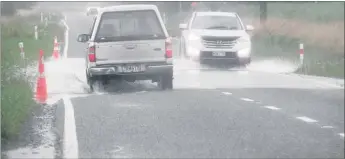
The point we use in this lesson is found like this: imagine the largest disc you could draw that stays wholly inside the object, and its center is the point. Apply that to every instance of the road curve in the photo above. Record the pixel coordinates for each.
(212, 113)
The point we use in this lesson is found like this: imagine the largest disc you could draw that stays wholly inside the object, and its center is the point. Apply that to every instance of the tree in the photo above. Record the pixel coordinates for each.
(9, 8)
(263, 12)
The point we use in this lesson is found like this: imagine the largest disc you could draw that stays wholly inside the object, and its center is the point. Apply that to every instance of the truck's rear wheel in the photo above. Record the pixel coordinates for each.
(95, 84)
(89, 81)
(166, 82)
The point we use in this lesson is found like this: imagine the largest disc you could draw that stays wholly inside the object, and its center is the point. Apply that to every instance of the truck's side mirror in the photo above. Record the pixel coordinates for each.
(83, 38)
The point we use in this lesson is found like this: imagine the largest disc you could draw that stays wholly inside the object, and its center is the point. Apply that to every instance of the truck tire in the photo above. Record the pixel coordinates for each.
(166, 82)
(95, 84)
(90, 81)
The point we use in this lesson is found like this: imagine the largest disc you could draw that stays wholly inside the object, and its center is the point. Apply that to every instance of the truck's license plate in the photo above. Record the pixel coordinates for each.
(132, 68)
(218, 53)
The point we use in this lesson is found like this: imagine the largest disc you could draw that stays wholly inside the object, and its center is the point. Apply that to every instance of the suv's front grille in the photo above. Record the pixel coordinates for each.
(219, 42)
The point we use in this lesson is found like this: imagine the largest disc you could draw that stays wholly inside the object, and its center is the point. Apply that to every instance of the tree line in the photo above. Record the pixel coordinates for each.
(9, 8)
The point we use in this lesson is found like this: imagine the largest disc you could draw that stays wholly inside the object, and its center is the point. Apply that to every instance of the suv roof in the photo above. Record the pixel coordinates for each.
(216, 13)
(129, 8)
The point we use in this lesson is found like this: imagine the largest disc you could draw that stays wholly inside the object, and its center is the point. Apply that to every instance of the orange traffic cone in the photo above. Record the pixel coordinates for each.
(56, 54)
(41, 88)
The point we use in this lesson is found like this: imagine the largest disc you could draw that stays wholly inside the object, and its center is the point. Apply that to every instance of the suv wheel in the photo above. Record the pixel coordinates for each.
(166, 81)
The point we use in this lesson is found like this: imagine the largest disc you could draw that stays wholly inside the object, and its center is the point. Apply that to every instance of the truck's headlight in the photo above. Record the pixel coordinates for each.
(244, 53)
(193, 37)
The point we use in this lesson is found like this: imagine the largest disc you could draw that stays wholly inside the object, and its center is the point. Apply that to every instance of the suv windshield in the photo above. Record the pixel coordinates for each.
(216, 22)
(129, 25)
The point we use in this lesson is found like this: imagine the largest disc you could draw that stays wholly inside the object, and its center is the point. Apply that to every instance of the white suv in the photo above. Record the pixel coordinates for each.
(216, 36)
(128, 42)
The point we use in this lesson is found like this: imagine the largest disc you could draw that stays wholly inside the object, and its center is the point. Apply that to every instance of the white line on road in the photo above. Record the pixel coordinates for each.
(272, 107)
(327, 127)
(70, 142)
(247, 99)
(66, 38)
(341, 134)
(227, 93)
(306, 119)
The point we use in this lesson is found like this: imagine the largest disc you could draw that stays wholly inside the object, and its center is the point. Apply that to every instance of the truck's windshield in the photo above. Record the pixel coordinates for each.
(129, 25)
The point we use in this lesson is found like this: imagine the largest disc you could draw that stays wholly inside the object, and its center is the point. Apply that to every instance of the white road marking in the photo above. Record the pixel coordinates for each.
(247, 99)
(341, 134)
(327, 127)
(70, 142)
(242, 72)
(272, 107)
(66, 38)
(193, 72)
(306, 119)
(227, 93)
(142, 92)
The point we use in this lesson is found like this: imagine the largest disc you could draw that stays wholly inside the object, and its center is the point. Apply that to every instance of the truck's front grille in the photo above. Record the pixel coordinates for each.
(219, 42)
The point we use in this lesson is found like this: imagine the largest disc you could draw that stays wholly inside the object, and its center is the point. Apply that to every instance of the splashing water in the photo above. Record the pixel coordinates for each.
(273, 66)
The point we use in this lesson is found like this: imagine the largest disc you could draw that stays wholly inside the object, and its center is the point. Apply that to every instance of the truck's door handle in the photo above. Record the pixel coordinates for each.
(130, 46)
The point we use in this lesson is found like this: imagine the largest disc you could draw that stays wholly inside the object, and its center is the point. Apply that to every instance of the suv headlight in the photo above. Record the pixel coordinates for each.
(243, 40)
(193, 37)
(243, 53)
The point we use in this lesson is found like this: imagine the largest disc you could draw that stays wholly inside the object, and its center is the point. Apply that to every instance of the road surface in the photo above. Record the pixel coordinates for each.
(212, 113)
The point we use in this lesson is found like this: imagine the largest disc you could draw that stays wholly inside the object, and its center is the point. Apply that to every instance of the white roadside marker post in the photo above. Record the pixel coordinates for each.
(46, 21)
(41, 17)
(36, 32)
(22, 54)
(301, 56)
(301, 53)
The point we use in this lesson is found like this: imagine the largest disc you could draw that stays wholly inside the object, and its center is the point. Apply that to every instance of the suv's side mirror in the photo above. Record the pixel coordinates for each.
(249, 28)
(183, 26)
(83, 38)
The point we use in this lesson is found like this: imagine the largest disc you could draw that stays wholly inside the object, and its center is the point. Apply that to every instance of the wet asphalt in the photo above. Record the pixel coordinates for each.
(211, 113)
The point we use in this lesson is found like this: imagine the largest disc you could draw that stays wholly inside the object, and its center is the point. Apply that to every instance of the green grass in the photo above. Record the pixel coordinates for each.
(17, 96)
(317, 61)
(320, 12)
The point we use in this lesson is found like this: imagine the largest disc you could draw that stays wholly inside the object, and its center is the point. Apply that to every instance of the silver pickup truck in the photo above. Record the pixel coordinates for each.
(128, 42)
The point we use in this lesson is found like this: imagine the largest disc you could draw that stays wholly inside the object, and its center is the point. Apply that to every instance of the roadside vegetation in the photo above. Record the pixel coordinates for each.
(318, 25)
(17, 97)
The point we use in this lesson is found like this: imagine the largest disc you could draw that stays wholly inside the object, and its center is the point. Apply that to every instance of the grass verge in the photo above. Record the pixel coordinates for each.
(318, 60)
(17, 96)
